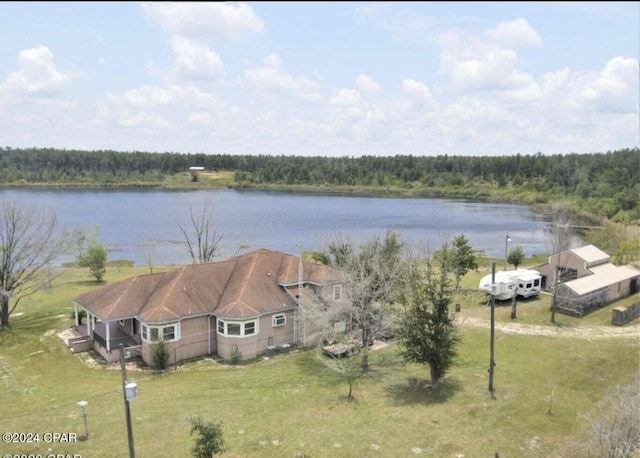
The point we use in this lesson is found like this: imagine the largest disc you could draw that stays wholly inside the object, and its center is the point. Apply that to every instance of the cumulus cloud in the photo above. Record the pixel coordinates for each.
(419, 94)
(191, 27)
(205, 20)
(613, 89)
(517, 33)
(271, 77)
(489, 61)
(36, 74)
(366, 83)
(159, 107)
(196, 61)
(144, 119)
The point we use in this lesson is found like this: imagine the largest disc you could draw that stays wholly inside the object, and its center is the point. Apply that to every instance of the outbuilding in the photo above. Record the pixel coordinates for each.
(586, 280)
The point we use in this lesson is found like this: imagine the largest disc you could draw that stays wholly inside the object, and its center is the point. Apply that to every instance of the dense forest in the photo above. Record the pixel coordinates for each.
(604, 185)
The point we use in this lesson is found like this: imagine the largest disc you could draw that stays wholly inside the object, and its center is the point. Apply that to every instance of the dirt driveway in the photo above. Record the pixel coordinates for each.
(584, 332)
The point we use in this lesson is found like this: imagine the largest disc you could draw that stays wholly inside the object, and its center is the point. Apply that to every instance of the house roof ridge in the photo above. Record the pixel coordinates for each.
(226, 284)
(172, 288)
(247, 278)
(129, 284)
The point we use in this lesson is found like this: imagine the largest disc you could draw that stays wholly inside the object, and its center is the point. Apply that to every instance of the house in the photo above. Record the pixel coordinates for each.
(587, 279)
(242, 306)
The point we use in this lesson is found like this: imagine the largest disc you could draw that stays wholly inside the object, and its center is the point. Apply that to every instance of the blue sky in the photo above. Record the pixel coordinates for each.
(321, 78)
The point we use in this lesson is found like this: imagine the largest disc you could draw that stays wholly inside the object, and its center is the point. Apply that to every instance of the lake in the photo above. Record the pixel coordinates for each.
(286, 221)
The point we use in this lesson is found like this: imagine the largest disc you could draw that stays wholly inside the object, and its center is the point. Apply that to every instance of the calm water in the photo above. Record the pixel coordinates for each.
(282, 220)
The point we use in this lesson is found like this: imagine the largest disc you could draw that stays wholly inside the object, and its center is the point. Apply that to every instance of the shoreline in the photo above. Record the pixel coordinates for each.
(539, 205)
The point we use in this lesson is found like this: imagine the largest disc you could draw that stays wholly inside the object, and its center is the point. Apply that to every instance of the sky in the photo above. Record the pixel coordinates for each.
(321, 78)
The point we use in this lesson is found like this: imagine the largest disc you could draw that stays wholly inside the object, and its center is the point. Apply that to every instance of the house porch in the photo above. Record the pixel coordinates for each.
(105, 339)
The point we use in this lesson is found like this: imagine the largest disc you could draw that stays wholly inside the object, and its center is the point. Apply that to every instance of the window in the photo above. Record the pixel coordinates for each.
(337, 292)
(166, 333)
(234, 329)
(279, 320)
(237, 328)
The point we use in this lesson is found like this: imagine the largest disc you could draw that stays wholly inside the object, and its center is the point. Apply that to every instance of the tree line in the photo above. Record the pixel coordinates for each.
(610, 181)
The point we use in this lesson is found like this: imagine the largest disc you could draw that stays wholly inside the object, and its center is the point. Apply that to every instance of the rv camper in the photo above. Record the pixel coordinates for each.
(522, 282)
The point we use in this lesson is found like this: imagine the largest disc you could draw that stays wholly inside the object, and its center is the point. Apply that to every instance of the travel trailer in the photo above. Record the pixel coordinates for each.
(522, 282)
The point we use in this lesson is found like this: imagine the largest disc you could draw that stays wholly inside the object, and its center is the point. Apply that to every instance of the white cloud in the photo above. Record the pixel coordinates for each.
(195, 61)
(614, 89)
(517, 33)
(147, 96)
(366, 83)
(145, 120)
(490, 61)
(419, 94)
(205, 20)
(490, 69)
(159, 107)
(271, 77)
(36, 74)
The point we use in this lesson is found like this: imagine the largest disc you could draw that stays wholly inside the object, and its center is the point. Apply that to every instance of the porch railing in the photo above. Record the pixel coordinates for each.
(101, 341)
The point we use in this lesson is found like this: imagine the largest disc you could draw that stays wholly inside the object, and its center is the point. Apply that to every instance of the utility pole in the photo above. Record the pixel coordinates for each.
(493, 317)
(123, 369)
(301, 317)
(506, 244)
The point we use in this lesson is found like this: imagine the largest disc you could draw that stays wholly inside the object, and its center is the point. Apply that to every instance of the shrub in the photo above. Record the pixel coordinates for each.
(209, 440)
(160, 355)
(82, 314)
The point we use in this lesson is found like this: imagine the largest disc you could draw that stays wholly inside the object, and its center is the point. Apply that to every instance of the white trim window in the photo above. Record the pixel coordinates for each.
(337, 292)
(237, 328)
(165, 333)
(279, 319)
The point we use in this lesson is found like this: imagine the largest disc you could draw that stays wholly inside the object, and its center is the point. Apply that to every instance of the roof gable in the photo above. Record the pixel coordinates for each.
(591, 255)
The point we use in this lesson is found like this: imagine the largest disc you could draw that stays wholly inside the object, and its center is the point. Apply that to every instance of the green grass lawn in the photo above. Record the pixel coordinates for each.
(290, 405)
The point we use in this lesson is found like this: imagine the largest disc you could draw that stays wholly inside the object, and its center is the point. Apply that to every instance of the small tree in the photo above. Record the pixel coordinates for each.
(89, 252)
(462, 259)
(428, 334)
(348, 367)
(160, 355)
(149, 249)
(208, 440)
(95, 258)
(516, 256)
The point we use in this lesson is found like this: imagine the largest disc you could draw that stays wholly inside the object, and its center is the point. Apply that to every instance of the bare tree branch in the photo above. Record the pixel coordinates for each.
(201, 240)
(30, 240)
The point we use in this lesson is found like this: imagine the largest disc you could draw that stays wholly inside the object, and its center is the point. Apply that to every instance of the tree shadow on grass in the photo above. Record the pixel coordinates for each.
(420, 391)
(87, 283)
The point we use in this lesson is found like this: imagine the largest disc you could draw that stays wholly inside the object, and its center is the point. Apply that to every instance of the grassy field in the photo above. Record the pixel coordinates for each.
(291, 406)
